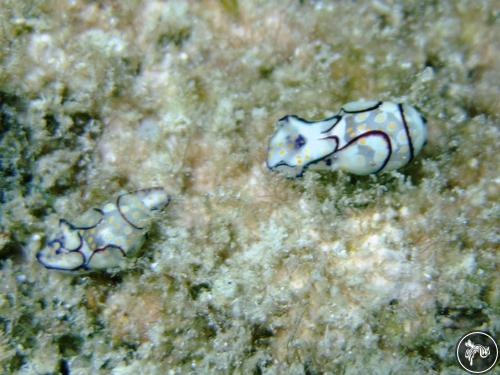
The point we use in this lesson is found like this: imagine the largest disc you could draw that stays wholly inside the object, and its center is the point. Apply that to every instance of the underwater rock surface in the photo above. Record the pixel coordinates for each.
(247, 271)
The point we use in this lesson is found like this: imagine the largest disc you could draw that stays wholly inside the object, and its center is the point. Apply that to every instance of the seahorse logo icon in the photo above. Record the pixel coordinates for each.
(473, 349)
(477, 352)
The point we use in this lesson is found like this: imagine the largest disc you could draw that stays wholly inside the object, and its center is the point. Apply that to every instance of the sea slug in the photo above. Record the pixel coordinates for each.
(104, 238)
(364, 137)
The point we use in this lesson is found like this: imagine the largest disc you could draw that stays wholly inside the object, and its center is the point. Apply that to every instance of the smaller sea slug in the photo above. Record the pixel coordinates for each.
(364, 137)
(104, 238)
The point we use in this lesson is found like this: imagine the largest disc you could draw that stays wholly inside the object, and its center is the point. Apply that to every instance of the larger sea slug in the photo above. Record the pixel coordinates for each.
(364, 137)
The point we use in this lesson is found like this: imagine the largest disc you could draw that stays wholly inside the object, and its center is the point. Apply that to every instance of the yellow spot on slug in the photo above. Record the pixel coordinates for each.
(362, 141)
(380, 118)
(361, 117)
(391, 126)
(307, 154)
(108, 207)
(282, 152)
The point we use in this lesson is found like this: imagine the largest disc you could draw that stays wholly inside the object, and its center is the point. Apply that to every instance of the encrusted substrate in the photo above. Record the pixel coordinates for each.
(246, 271)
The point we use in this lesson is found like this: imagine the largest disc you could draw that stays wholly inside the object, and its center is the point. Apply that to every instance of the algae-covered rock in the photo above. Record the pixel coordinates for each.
(247, 271)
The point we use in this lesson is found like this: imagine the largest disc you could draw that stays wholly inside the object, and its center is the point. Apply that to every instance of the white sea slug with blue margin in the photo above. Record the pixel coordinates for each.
(104, 238)
(364, 137)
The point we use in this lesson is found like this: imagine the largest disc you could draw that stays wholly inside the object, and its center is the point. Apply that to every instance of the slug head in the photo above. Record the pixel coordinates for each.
(63, 251)
(296, 144)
